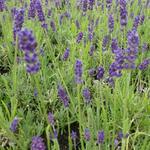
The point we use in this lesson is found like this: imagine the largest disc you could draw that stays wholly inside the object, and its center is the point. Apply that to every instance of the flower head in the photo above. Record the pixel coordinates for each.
(87, 95)
(63, 96)
(78, 71)
(14, 125)
(38, 143)
(100, 137)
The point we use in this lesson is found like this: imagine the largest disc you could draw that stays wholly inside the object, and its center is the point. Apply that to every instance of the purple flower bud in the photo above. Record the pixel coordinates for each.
(32, 10)
(87, 95)
(111, 23)
(79, 37)
(144, 64)
(100, 73)
(123, 13)
(91, 4)
(92, 49)
(84, 5)
(14, 125)
(114, 45)
(2, 5)
(51, 118)
(61, 18)
(40, 13)
(35, 92)
(52, 24)
(144, 47)
(49, 12)
(63, 96)
(136, 22)
(120, 135)
(108, 3)
(105, 42)
(87, 135)
(66, 54)
(28, 44)
(57, 3)
(133, 41)
(77, 24)
(26, 40)
(92, 72)
(38, 143)
(78, 72)
(73, 135)
(116, 142)
(100, 137)
(18, 21)
(142, 18)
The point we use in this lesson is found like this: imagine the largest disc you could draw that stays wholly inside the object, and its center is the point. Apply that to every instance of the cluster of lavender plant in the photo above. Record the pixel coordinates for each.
(93, 60)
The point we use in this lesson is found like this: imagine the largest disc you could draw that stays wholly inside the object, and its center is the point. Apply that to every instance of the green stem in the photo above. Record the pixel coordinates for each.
(79, 116)
(69, 136)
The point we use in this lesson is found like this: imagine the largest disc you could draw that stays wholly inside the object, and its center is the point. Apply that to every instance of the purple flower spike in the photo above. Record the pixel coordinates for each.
(77, 24)
(92, 49)
(142, 18)
(111, 23)
(39, 10)
(91, 4)
(100, 73)
(78, 72)
(32, 10)
(108, 3)
(136, 22)
(84, 5)
(52, 24)
(114, 45)
(87, 95)
(73, 135)
(38, 143)
(18, 21)
(144, 64)
(63, 96)
(92, 72)
(100, 137)
(14, 125)
(28, 44)
(105, 42)
(51, 118)
(66, 54)
(133, 43)
(2, 5)
(87, 135)
(79, 37)
(123, 13)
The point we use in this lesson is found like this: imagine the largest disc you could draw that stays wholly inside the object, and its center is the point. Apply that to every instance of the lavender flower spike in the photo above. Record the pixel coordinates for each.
(38, 143)
(18, 21)
(51, 118)
(66, 54)
(2, 5)
(28, 44)
(62, 94)
(100, 73)
(87, 95)
(111, 23)
(39, 10)
(87, 135)
(32, 10)
(14, 125)
(144, 64)
(78, 72)
(100, 137)
(79, 37)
